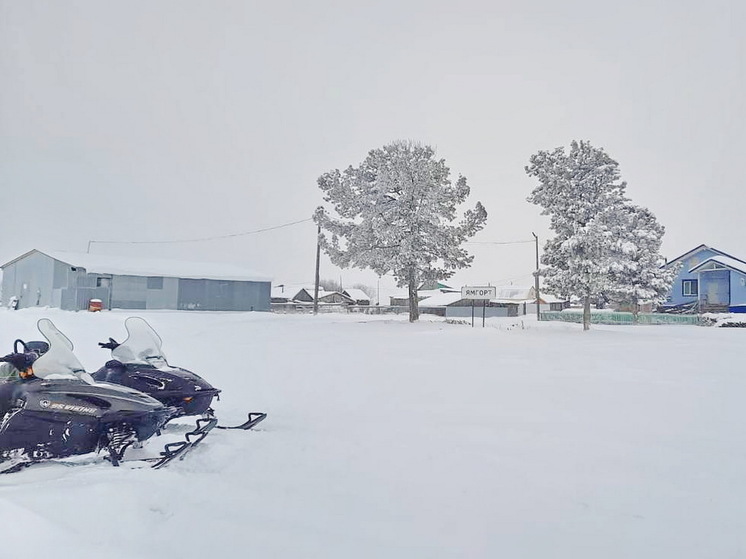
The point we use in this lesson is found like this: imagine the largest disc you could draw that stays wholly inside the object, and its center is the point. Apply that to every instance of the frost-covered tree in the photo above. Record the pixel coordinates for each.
(637, 271)
(604, 245)
(580, 191)
(395, 213)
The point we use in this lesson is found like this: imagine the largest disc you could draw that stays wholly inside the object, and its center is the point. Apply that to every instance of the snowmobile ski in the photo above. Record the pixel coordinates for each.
(18, 466)
(173, 450)
(179, 449)
(254, 419)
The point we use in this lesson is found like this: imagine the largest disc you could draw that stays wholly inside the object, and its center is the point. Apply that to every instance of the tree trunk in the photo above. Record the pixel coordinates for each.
(414, 308)
(587, 312)
(635, 311)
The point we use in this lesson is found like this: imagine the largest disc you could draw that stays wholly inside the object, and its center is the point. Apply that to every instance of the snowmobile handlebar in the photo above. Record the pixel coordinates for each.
(36, 347)
(20, 361)
(111, 344)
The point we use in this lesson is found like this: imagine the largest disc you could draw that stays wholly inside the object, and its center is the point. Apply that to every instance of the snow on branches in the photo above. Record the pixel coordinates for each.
(604, 245)
(395, 213)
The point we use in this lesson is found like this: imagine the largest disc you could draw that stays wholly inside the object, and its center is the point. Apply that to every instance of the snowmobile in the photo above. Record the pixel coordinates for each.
(50, 407)
(139, 363)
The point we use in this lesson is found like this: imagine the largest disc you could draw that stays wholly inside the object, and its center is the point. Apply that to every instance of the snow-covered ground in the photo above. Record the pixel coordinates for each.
(429, 440)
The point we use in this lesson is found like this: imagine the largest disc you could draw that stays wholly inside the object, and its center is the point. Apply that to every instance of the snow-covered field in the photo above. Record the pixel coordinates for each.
(431, 440)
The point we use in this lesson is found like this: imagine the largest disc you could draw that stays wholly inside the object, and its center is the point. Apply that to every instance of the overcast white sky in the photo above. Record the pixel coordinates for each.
(167, 120)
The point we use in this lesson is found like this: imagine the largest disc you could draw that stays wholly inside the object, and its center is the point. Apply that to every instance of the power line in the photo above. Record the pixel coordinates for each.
(498, 242)
(172, 241)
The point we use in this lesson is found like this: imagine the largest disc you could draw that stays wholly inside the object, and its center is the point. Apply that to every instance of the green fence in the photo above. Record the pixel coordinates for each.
(622, 318)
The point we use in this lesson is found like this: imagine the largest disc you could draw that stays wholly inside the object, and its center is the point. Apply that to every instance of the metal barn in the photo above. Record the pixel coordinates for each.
(70, 281)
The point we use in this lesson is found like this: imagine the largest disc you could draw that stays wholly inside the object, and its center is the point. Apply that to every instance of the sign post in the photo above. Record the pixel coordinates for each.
(479, 293)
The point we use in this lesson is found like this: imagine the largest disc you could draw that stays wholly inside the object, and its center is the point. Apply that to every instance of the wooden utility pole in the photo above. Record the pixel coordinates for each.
(318, 264)
(536, 277)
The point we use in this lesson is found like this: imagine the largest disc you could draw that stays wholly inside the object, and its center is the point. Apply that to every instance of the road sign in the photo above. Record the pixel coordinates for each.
(488, 292)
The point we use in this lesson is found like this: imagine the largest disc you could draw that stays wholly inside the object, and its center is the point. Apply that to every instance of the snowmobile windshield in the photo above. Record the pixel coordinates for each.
(142, 346)
(59, 361)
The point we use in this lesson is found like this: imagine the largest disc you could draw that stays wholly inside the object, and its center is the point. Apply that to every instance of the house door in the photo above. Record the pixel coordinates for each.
(717, 287)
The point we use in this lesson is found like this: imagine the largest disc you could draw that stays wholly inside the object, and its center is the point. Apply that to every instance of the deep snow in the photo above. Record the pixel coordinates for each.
(429, 440)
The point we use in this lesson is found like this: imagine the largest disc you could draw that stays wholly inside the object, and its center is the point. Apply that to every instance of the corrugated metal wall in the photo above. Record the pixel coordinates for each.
(214, 295)
(30, 280)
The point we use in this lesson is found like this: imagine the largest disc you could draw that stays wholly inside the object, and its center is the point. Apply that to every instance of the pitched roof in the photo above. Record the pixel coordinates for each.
(699, 249)
(357, 294)
(150, 267)
(726, 261)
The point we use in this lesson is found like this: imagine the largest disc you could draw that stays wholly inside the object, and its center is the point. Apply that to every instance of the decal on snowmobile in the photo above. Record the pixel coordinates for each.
(69, 407)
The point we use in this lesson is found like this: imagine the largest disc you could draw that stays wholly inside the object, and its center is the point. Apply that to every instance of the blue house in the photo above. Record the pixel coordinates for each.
(709, 279)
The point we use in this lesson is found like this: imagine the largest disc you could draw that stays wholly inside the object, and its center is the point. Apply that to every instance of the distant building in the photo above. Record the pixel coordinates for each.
(70, 281)
(425, 290)
(334, 298)
(283, 295)
(357, 296)
(510, 301)
(709, 281)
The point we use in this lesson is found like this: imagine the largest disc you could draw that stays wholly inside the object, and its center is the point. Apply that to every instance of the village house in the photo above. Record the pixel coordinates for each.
(708, 280)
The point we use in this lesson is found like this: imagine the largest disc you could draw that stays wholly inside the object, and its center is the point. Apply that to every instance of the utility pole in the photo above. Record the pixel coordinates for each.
(536, 276)
(318, 263)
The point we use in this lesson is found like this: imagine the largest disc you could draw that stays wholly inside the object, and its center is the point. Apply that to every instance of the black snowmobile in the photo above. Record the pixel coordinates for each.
(51, 408)
(139, 363)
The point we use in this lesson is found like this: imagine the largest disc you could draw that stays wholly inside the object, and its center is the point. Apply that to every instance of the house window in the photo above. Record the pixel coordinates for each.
(103, 282)
(689, 288)
(155, 283)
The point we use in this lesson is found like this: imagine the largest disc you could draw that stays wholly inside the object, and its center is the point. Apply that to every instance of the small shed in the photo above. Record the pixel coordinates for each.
(69, 281)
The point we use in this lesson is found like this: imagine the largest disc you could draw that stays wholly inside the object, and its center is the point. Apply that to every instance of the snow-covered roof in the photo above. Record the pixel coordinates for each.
(440, 300)
(280, 291)
(151, 267)
(285, 291)
(331, 294)
(515, 293)
(357, 294)
(727, 261)
(549, 298)
(311, 290)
